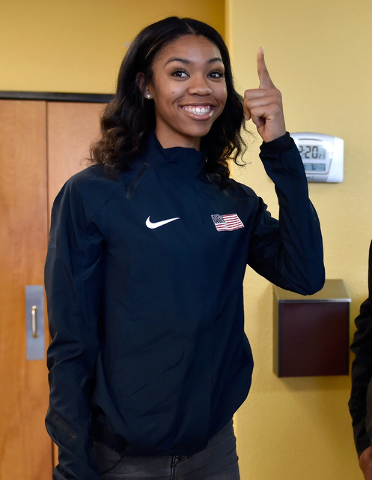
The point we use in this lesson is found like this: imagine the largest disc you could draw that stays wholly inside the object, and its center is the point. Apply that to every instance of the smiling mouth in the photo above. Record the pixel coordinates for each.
(199, 110)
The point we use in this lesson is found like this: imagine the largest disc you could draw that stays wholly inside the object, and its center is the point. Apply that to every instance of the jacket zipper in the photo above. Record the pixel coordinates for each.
(137, 180)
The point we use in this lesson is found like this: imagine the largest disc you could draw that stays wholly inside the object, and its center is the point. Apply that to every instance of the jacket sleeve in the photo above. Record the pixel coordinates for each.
(360, 403)
(288, 252)
(73, 276)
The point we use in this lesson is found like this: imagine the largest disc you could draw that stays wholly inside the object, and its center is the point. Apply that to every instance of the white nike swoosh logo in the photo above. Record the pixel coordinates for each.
(150, 224)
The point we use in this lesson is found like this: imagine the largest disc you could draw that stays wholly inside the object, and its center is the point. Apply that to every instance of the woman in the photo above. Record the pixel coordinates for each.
(148, 249)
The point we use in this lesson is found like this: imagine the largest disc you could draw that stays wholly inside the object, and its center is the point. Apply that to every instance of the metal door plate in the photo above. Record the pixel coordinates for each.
(35, 333)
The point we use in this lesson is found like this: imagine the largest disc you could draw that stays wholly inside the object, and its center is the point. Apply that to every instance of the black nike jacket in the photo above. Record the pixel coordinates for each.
(144, 282)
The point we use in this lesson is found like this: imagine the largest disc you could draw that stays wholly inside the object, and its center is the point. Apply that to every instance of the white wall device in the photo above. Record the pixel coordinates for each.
(322, 156)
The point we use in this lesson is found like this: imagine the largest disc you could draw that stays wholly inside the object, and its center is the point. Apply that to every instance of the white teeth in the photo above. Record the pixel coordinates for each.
(199, 110)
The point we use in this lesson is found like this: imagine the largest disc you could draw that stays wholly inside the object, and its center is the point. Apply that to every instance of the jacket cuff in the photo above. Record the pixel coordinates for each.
(361, 444)
(279, 145)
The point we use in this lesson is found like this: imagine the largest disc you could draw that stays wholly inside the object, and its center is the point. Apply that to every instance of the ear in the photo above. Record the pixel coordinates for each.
(141, 83)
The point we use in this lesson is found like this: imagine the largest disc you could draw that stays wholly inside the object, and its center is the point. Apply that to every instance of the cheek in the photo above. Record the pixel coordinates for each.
(222, 104)
(224, 96)
(168, 95)
(221, 94)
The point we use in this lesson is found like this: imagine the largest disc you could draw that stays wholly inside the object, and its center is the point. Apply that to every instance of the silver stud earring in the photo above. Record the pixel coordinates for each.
(148, 96)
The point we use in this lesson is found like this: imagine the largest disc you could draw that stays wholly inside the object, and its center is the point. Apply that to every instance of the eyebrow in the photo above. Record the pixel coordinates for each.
(187, 62)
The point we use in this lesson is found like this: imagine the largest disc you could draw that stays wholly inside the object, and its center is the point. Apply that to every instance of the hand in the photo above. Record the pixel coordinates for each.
(365, 463)
(264, 104)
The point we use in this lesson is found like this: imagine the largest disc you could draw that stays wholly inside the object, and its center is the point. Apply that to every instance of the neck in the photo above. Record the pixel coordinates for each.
(170, 141)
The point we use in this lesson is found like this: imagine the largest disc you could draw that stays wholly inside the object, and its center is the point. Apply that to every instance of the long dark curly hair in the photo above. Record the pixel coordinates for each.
(128, 119)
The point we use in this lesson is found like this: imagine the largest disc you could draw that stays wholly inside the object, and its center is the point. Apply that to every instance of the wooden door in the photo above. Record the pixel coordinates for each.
(25, 448)
(71, 128)
(41, 145)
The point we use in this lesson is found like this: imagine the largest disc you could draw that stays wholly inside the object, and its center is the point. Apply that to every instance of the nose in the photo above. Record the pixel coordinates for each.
(199, 86)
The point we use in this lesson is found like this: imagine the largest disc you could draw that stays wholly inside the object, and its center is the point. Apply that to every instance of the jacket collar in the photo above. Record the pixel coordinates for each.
(187, 162)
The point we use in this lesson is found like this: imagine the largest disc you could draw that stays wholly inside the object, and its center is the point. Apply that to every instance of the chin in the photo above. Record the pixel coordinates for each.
(199, 132)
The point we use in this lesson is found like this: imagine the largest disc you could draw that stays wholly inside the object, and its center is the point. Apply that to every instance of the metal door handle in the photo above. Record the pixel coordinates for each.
(34, 321)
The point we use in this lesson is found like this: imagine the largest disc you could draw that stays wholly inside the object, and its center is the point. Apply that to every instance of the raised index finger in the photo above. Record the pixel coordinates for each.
(263, 74)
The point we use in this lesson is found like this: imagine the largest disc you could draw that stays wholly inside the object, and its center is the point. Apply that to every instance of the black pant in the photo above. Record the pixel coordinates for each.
(218, 461)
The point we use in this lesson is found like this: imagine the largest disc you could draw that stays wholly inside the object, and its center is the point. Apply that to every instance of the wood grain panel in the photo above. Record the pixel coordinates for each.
(71, 129)
(25, 448)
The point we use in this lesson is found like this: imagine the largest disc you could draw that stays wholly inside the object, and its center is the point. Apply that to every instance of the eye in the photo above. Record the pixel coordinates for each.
(180, 73)
(217, 74)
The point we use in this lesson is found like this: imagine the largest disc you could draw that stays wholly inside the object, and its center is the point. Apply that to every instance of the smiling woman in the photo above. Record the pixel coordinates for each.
(148, 250)
(167, 59)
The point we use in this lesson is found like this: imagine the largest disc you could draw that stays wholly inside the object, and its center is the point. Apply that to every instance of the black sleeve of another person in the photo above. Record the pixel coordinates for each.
(360, 403)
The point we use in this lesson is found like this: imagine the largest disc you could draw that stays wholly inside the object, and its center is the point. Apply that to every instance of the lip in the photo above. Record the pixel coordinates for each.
(199, 111)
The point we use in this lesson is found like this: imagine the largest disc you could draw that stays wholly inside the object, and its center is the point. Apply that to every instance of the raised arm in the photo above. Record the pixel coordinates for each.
(289, 253)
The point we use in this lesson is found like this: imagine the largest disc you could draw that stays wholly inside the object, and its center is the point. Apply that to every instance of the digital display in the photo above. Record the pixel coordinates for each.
(312, 152)
(322, 156)
(315, 167)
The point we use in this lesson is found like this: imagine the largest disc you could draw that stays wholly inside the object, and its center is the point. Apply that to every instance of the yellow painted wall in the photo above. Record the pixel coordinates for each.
(78, 45)
(319, 55)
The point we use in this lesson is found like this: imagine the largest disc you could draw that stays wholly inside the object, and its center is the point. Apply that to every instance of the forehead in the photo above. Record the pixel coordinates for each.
(194, 48)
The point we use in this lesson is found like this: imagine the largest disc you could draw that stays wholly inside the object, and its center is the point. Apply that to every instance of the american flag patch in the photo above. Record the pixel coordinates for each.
(226, 223)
